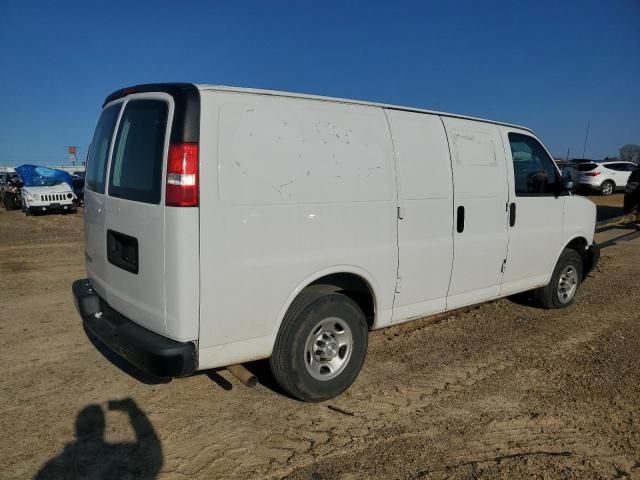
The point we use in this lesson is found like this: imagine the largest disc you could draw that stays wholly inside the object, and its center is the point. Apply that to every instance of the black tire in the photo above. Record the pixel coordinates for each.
(549, 297)
(288, 360)
(607, 187)
(26, 211)
(9, 202)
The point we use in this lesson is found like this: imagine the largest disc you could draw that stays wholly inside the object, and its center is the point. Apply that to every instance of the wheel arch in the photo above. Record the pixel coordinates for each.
(579, 244)
(354, 282)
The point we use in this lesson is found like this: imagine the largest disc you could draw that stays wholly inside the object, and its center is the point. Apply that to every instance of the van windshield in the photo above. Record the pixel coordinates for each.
(136, 164)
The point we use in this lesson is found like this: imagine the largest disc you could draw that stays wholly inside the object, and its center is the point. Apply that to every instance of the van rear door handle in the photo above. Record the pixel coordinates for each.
(512, 214)
(460, 219)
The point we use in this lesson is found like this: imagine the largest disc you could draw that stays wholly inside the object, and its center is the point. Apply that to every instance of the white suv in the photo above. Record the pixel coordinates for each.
(605, 177)
(48, 198)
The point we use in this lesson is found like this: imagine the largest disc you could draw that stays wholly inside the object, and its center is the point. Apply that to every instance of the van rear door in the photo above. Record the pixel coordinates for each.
(94, 197)
(134, 226)
(141, 213)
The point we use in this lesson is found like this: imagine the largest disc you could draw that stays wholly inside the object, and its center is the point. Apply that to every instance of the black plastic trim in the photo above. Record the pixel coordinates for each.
(460, 219)
(122, 251)
(147, 350)
(186, 114)
(590, 260)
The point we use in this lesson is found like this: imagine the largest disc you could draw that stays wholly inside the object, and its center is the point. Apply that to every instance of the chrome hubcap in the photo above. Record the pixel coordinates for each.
(328, 348)
(567, 284)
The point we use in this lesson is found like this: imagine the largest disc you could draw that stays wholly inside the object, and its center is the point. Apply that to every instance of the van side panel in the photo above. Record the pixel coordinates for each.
(288, 188)
(425, 197)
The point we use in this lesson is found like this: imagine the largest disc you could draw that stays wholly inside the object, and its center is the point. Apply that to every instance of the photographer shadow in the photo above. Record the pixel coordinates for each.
(90, 456)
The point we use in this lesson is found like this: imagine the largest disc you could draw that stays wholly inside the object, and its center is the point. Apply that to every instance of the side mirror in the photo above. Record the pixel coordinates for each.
(569, 174)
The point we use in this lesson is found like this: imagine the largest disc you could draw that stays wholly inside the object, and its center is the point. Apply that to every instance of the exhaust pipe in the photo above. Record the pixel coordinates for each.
(245, 376)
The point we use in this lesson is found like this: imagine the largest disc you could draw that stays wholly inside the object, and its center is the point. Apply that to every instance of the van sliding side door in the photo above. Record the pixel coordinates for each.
(425, 202)
(480, 199)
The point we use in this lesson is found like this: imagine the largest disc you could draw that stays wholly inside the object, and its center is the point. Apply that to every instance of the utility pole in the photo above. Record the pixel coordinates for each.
(585, 138)
(567, 154)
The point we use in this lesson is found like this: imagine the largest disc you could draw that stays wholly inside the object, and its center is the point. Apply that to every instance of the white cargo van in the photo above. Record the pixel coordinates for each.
(225, 225)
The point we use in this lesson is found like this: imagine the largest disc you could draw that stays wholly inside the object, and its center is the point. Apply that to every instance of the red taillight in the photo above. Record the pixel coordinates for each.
(182, 175)
(592, 174)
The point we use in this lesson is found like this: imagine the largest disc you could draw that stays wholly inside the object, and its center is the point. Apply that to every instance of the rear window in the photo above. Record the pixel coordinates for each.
(136, 165)
(99, 149)
(586, 167)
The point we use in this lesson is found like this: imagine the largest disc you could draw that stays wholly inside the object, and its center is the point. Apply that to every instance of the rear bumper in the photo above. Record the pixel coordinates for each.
(149, 351)
(591, 258)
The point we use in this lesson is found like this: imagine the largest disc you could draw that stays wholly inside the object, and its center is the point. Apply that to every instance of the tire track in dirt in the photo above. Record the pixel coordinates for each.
(380, 416)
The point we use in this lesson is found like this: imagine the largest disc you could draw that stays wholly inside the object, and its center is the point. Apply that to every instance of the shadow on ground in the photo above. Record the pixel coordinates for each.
(605, 212)
(89, 456)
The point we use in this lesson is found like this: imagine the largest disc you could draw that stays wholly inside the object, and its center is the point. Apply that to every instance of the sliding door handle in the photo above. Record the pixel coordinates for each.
(460, 219)
(512, 214)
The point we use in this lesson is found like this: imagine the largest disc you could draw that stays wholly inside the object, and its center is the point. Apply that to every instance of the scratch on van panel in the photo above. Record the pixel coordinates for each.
(308, 172)
(250, 110)
(282, 186)
(370, 170)
(240, 167)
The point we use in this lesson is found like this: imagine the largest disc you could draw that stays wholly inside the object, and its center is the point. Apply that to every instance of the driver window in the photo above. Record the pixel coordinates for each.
(534, 171)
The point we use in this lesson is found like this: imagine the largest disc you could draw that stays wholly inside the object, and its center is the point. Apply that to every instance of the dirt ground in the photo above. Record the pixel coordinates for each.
(504, 390)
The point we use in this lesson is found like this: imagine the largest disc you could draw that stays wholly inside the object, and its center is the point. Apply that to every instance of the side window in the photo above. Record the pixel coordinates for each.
(534, 171)
(99, 149)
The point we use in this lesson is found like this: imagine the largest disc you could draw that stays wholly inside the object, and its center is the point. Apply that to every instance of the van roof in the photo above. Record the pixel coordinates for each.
(349, 101)
(184, 87)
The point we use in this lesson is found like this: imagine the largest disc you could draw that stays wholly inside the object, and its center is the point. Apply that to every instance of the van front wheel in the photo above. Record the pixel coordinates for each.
(565, 281)
(321, 345)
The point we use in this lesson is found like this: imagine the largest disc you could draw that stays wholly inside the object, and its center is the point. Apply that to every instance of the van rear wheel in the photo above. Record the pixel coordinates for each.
(321, 345)
(565, 281)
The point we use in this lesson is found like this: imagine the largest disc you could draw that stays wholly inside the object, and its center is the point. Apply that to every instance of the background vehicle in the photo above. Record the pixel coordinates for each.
(10, 191)
(632, 193)
(318, 220)
(606, 177)
(45, 190)
(78, 187)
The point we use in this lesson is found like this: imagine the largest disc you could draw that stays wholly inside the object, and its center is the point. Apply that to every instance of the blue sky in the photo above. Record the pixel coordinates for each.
(547, 64)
